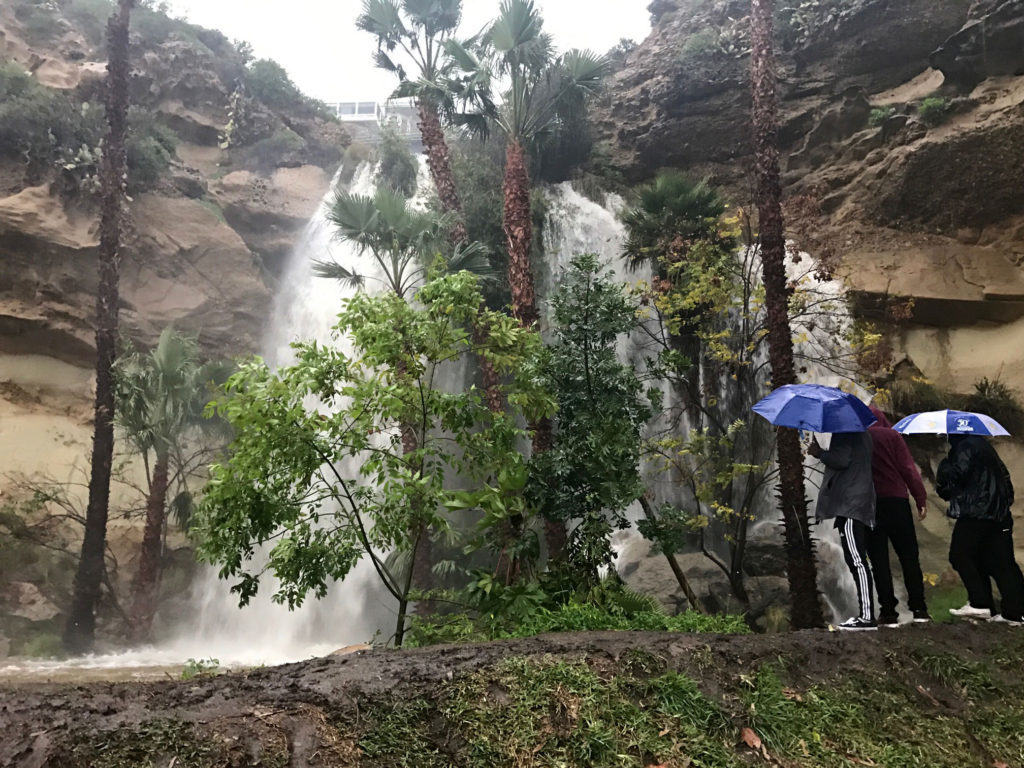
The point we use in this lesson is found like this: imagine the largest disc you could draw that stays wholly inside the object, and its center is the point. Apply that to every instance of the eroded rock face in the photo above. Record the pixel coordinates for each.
(922, 206)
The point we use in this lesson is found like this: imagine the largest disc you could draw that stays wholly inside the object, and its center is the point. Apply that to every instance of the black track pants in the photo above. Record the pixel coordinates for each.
(981, 550)
(894, 523)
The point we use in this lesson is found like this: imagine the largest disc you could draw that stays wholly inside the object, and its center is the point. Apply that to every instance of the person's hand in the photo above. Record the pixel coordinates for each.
(922, 512)
(814, 449)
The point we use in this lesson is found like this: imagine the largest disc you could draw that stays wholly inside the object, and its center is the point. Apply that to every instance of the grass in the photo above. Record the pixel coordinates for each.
(933, 708)
(572, 617)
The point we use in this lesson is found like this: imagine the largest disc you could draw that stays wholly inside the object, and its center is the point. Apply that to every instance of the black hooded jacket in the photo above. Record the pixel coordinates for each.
(974, 480)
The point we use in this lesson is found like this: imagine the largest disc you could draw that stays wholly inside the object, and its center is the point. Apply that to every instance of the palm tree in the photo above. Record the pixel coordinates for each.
(402, 240)
(801, 569)
(420, 29)
(540, 83)
(161, 399)
(80, 630)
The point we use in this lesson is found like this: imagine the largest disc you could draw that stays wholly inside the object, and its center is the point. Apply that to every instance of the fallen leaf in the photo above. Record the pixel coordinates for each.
(999, 764)
(664, 733)
(751, 739)
(792, 695)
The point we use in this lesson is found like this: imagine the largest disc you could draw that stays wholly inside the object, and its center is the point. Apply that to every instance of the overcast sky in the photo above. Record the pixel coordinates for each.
(317, 42)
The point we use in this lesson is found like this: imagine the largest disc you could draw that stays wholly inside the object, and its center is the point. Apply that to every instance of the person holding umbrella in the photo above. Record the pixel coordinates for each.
(895, 473)
(847, 493)
(977, 485)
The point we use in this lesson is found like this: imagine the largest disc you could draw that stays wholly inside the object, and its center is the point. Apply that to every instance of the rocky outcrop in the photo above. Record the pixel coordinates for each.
(905, 121)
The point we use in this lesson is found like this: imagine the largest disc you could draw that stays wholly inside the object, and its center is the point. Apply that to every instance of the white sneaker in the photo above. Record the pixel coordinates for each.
(1000, 619)
(970, 612)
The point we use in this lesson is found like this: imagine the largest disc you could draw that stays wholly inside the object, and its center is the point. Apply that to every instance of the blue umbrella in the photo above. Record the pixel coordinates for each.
(950, 423)
(815, 408)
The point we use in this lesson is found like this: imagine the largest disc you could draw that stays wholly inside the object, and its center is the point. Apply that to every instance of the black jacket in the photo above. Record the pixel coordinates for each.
(974, 480)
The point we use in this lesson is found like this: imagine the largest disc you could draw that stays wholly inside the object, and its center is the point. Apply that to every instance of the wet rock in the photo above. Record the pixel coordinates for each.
(26, 600)
(990, 44)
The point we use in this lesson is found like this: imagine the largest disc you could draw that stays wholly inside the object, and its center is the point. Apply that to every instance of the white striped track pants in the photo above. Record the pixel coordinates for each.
(854, 536)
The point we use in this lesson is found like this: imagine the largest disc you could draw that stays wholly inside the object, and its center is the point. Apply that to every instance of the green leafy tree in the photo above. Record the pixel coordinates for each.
(318, 470)
(161, 398)
(592, 472)
(403, 242)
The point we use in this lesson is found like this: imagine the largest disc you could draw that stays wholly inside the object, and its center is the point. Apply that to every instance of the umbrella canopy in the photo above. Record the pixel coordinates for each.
(815, 408)
(950, 423)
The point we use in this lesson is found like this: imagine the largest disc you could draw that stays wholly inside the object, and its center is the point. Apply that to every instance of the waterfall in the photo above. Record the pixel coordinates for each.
(305, 308)
(576, 224)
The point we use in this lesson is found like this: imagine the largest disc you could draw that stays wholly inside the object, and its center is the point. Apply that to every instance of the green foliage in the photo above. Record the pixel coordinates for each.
(934, 111)
(398, 169)
(702, 43)
(150, 147)
(38, 123)
(592, 473)
(327, 485)
(276, 149)
(673, 206)
(879, 115)
(269, 82)
(39, 19)
(998, 400)
(90, 18)
(199, 667)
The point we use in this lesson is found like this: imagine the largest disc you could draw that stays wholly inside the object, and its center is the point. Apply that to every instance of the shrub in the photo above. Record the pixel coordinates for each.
(40, 123)
(150, 148)
(879, 115)
(699, 44)
(914, 395)
(398, 169)
(90, 18)
(933, 111)
(267, 81)
(268, 153)
(40, 21)
(994, 398)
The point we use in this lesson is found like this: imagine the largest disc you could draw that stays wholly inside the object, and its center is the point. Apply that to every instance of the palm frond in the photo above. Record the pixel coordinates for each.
(476, 258)
(382, 18)
(517, 26)
(434, 16)
(334, 271)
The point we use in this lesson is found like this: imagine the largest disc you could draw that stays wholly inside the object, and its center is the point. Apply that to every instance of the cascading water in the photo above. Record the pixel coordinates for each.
(576, 224)
(306, 308)
(212, 625)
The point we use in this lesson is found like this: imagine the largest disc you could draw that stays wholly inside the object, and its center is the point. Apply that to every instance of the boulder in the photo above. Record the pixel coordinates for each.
(25, 599)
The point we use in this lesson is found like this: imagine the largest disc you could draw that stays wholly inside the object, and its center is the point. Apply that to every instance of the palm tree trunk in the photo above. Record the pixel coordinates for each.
(801, 568)
(80, 629)
(518, 225)
(147, 580)
(439, 162)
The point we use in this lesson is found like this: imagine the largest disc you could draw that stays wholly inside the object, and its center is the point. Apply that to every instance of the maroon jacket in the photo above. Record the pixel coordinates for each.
(892, 465)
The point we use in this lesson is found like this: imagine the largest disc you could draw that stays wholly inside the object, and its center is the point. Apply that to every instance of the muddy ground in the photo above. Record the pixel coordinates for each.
(289, 706)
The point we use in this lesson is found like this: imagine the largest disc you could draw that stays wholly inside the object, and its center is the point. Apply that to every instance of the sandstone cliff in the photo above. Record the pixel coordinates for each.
(229, 163)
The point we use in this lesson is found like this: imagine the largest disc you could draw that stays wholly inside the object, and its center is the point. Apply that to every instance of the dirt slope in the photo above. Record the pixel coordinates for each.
(345, 711)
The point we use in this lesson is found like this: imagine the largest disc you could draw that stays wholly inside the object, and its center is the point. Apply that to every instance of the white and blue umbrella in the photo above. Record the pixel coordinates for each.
(950, 423)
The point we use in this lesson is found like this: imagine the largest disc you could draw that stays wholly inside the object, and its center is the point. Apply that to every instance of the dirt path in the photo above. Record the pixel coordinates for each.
(34, 719)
